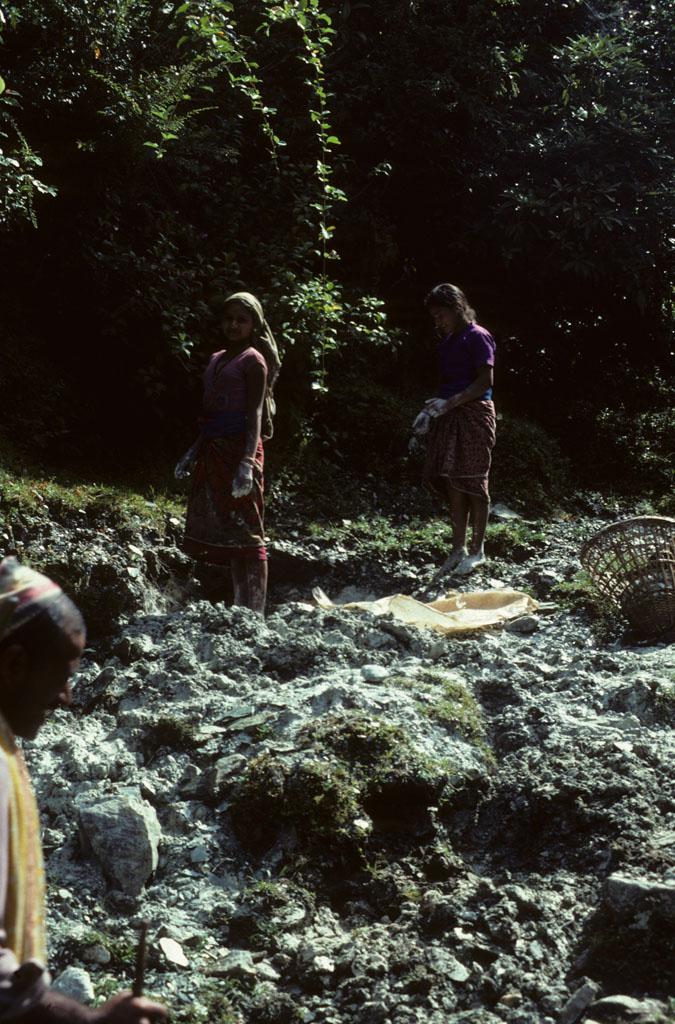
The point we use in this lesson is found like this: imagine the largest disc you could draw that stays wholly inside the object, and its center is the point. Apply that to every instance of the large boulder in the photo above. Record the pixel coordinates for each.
(123, 832)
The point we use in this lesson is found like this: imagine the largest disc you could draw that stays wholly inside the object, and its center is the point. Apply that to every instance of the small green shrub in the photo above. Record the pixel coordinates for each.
(639, 443)
(317, 798)
(528, 466)
(174, 733)
(362, 418)
(515, 541)
(359, 740)
(351, 765)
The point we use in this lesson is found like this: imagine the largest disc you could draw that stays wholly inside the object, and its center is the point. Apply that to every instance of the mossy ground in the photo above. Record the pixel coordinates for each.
(174, 733)
(122, 950)
(315, 797)
(349, 769)
(457, 709)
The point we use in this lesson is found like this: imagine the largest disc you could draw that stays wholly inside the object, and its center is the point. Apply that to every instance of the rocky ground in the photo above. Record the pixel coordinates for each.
(331, 817)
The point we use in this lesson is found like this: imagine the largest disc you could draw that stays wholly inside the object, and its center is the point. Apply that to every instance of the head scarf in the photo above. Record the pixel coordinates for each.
(263, 340)
(24, 593)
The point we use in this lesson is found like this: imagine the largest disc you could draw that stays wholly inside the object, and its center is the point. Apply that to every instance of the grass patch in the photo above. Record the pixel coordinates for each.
(579, 594)
(64, 498)
(456, 708)
(515, 541)
(410, 539)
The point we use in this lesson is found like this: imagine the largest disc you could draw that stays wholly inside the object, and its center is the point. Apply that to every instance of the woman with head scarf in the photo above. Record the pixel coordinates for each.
(461, 422)
(226, 506)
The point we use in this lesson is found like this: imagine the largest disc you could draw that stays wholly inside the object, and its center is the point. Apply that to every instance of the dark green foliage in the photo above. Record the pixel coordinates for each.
(363, 423)
(638, 437)
(171, 153)
(173, 189)
(528, 465)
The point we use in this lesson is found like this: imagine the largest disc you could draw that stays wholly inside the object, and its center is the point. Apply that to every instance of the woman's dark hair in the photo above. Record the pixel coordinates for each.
(453, 297)
(49, 633)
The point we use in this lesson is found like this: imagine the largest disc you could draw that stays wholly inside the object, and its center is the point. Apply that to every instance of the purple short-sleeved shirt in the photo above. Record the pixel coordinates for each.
(461, 356)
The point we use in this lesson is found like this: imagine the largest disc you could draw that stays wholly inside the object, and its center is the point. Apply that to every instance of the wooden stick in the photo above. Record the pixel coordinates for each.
(141, 960)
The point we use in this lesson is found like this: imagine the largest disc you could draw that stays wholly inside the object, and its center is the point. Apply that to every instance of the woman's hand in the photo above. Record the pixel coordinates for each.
(436, 407)
(185, 464)
(243, 479)
(422, 423)
(439, 406)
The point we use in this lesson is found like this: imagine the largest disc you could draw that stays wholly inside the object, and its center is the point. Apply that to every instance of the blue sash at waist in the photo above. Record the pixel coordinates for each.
(448, 390)
(224, 424)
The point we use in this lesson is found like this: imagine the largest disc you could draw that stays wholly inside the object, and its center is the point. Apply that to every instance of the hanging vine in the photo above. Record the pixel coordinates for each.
(216, 22)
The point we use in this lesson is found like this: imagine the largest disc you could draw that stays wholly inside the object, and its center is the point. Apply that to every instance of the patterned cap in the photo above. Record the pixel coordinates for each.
(24, 593)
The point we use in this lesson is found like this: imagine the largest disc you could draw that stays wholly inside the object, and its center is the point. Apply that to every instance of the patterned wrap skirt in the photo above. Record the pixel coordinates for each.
(459, 450)
(219, 527)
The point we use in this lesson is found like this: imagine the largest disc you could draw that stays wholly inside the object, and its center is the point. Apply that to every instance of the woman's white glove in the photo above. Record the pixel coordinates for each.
(243, 480)
(422, 423)
(435, 407)
(185, 465)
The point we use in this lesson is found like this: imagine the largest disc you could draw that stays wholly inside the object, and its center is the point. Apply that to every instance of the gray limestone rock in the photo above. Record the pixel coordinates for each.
(524, 624)
(238, 963)
(124, 834)
(625, 1008)
(478, 920)
(374, 673)
(578, 1002)
(627, 896)
(75, 983)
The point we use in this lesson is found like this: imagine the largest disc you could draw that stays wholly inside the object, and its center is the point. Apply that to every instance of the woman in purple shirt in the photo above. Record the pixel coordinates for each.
(462, 433)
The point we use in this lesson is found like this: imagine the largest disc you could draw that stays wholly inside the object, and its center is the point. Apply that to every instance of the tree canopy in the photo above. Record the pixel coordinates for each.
(338, 159)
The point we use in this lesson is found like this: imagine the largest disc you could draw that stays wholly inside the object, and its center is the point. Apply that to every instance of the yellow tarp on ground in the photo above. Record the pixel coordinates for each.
(454, 613)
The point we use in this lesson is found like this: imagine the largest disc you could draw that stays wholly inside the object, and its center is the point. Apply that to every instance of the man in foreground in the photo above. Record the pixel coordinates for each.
(42, 637)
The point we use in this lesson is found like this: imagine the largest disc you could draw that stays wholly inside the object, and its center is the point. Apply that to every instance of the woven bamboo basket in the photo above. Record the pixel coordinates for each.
(632, 564)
